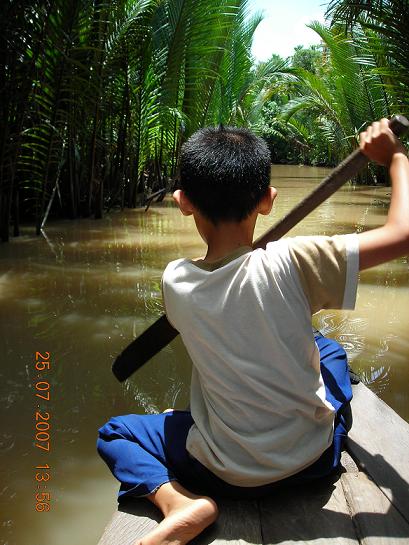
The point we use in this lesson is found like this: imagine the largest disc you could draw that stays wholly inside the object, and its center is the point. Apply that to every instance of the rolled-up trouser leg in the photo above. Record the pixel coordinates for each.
(140, 468)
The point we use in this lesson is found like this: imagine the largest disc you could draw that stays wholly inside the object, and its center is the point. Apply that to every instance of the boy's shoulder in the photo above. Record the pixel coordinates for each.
(325, 243)
(172, 266)
(328, 268)
(315, 250)
(323, 270)
(321, 251)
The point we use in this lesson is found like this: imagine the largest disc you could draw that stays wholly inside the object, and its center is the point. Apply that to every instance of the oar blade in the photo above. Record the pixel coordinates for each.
(143, 348)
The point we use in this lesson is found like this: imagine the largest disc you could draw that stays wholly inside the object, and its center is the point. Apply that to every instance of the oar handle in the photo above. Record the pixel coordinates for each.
(161, 333)
(346, 170)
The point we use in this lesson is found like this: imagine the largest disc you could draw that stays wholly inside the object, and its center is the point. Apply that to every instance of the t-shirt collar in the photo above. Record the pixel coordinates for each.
(211, 266)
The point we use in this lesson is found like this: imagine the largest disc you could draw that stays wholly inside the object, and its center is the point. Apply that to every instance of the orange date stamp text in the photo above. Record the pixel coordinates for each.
(42, 432)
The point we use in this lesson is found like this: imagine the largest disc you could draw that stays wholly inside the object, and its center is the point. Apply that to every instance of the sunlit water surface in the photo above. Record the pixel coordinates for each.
(87, 290)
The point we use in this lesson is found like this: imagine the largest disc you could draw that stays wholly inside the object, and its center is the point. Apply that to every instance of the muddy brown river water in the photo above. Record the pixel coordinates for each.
(86, 290)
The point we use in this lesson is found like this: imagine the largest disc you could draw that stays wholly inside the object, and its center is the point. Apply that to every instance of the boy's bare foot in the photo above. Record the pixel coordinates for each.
(186, 516)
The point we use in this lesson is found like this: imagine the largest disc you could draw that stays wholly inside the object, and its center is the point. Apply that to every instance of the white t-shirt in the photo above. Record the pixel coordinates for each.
(257, 395)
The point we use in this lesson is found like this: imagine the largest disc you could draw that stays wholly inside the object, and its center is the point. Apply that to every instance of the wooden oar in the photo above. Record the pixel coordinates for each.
(161, 333)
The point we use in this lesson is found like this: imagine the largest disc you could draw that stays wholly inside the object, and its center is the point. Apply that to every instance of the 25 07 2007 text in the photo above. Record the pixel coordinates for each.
(42, 431)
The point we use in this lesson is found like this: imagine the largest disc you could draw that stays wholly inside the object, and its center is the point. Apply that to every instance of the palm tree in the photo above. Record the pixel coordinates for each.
(385, 23)
(107, 91)
(20, 47)
(331, 107)
(242, 87)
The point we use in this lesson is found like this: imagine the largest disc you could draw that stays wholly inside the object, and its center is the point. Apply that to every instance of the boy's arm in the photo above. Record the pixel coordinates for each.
(392, 239)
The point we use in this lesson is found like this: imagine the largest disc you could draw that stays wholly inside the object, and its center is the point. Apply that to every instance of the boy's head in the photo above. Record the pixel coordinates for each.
(225, 172)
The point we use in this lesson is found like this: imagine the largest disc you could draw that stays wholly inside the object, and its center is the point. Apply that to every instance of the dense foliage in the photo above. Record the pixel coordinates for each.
(97, 96)
(331, 92)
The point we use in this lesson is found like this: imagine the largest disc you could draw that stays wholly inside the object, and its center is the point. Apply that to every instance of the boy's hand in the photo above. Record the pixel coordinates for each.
(379, 143)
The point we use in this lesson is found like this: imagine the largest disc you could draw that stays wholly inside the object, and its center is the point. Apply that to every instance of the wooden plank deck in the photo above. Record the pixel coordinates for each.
(367, 504)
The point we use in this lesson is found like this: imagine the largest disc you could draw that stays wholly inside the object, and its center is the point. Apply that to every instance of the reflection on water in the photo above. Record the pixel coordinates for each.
(84, 292)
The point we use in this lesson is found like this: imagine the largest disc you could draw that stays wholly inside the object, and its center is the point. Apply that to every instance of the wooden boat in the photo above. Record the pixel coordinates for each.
(366, 504)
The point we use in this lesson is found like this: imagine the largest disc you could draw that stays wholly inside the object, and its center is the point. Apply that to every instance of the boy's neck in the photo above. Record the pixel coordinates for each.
(227, 237)
(224, 238)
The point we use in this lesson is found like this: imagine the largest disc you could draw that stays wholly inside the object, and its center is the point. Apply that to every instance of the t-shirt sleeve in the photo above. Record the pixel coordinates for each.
(328, 269)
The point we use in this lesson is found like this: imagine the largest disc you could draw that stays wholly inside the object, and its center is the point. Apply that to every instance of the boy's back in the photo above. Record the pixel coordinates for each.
(257, 395)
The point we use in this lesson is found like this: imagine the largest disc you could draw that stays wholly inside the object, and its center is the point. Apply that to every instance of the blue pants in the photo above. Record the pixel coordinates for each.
(145, 451)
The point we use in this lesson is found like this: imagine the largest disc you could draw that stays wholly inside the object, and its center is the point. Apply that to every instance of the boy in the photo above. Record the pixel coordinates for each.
(269, 402)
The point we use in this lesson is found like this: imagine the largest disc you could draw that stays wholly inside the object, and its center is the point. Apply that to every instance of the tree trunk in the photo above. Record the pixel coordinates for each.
(100, 31)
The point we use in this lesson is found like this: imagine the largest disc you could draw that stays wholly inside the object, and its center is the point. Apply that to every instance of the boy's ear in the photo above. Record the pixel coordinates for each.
(266, 202)
(183, 202)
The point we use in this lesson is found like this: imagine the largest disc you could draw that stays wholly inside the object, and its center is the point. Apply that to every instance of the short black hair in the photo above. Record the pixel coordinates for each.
(225, 172)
